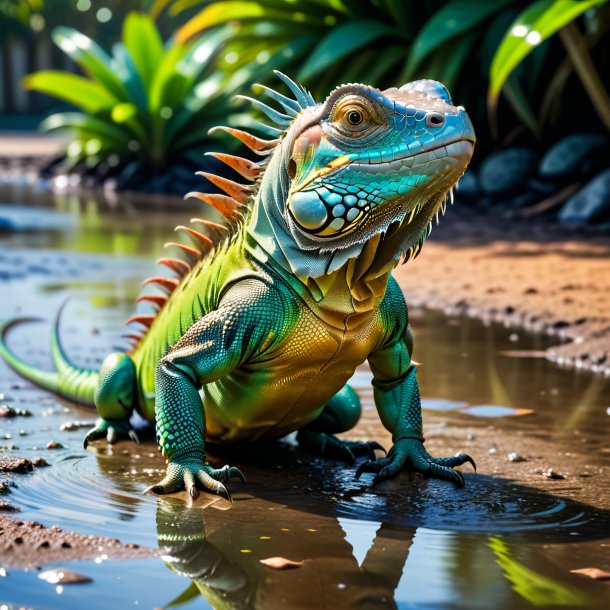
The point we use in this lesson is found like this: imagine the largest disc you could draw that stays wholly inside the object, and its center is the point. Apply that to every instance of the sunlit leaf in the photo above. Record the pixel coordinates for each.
(451, 20)
(90, 57)
(123, 112)
(534, 25)
(143, 41)
(74, 89)
(88, 124)
(219, 13)
(341, 41)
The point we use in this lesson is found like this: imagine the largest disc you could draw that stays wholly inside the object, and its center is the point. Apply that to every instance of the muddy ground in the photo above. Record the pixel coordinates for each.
(546, 278)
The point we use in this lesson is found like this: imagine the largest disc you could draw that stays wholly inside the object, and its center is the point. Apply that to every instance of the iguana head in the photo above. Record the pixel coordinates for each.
(364, 166)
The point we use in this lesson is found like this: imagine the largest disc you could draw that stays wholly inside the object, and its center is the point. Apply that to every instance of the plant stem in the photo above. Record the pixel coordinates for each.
(583, 65)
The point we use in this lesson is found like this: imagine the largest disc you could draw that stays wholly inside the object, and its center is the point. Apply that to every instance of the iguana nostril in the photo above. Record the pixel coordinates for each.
(435, 119)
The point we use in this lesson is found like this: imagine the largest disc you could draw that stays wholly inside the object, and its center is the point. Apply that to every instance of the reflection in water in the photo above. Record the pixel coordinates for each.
(399, 565)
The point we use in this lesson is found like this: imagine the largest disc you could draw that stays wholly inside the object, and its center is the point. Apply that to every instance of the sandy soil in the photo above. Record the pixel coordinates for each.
(27, 544)
(528, 274)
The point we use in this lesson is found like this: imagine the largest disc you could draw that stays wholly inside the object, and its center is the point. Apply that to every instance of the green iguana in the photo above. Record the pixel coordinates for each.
(265, 320)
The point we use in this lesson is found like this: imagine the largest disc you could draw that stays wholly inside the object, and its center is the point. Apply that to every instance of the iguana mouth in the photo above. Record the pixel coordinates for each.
(377, 162)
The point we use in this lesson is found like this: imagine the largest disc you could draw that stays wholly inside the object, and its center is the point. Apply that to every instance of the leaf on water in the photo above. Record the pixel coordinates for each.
(281, 563)
(594, 573)
(61, 576)
(495, 411)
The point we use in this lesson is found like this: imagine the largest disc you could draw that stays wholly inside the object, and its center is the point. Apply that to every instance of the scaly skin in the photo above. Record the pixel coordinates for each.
(261, 334)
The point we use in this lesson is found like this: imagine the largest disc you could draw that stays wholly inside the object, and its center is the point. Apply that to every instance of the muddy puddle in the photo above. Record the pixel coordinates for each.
(538, 508)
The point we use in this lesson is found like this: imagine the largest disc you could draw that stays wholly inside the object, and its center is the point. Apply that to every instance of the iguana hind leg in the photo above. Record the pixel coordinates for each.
(114, 400)
(340, 414)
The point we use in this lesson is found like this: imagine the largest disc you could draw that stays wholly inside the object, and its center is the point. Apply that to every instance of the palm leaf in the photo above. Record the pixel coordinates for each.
(86, 94)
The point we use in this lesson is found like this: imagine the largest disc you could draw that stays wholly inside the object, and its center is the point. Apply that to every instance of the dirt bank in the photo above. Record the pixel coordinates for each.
(534, 275)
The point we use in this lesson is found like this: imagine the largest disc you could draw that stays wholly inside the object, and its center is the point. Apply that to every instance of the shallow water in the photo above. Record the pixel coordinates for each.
(507, 540)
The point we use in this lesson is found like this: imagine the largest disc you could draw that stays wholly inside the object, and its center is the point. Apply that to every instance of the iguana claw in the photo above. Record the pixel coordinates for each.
(113, 430)
(412, 452)
(193, 474)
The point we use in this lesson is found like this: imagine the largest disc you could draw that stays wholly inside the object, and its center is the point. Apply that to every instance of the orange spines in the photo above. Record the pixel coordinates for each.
(257, 145)
(227, 206)
(155, 299)
(146, 319)
(169, 283)
(239, 192)
(244, 167)
(213, 229)
(175, 264)
(192, 253)
(201, 241)
(133, 337)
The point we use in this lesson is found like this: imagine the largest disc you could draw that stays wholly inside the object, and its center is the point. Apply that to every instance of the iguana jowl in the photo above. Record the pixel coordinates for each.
(266, 320)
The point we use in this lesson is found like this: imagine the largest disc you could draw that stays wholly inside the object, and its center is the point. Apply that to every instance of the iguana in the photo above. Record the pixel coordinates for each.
(265, 320)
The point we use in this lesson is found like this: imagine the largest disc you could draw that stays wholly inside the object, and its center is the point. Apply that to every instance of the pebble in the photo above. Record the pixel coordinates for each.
(8, 507)
(549, 473)
(515, 457)
(572, 156)
(6, 411)
(589, 204)
(54, 445)
(504, 172)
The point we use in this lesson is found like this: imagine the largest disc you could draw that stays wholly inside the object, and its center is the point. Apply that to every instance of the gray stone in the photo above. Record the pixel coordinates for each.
(505, 172)
(573, 156)
(590, 204)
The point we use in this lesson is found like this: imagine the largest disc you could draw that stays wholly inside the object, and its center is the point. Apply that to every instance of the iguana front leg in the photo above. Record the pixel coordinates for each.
(399, 406)
(209, 350)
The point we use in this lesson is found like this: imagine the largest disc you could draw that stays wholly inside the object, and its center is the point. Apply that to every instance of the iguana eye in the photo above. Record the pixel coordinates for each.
(354, 117)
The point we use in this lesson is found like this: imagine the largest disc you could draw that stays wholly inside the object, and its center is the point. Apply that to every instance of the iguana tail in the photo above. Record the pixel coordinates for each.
(69, 381)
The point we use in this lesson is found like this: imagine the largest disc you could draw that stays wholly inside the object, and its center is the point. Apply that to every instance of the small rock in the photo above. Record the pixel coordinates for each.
(549, 473)
(492, 450)
(61, 576)
(8, 507)
(515, 457)
(6, 411)
(12, 464)
(4, 488)
(590, 204)
(281, 563)
(24, 413)
(594, 573)
(504, 172)
(572, 157)
(54, 445)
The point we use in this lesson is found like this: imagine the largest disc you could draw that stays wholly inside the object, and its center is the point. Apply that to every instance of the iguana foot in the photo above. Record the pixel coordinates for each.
(113, 430)
(411, 452)
(328, 445)
(192, 473)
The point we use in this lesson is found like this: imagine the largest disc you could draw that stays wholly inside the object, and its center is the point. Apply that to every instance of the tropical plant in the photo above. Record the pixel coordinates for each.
(146, 101)
(388, 42)
(534, 25)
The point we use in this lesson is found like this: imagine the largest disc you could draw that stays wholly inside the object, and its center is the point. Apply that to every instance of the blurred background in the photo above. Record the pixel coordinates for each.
(133, 86)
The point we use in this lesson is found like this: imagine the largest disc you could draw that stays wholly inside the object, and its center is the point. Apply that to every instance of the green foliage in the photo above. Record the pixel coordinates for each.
(388, 42)
(534, 25)
(147, 100)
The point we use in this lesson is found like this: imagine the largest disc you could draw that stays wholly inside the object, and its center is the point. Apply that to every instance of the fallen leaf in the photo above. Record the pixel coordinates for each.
(281, 563)
(60, 576)
(594, 573)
